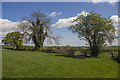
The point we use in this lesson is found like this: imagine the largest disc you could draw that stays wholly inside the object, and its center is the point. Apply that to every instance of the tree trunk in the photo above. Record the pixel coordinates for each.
(112, 53)
(119, 54)
(38, 46)
(94, 51)
(17, 46)
(38, 43)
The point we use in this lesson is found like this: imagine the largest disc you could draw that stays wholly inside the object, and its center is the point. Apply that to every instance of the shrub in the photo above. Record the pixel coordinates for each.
(67, 47)
(26, 48)
(115, 50)
(117, 59)
(68, 52)
(42, 49)
(57, 51)
(47, 49)
(85, 51)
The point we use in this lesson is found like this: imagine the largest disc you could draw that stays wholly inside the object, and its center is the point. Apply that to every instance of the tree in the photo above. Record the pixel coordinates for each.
(95, 30)
(37, 28)
(14, 38)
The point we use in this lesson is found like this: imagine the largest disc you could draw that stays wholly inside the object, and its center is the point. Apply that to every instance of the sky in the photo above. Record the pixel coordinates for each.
(61, 13)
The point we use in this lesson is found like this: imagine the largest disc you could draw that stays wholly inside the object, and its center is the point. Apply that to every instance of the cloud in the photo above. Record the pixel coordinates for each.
(53, 14)
(64, 22)
(7, 26)
(59, 13)
(84, 13)
(109, 1)
(67, 21)
(115, 20)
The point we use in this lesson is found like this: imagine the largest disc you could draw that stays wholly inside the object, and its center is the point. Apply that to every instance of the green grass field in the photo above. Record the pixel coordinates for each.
(28, 64)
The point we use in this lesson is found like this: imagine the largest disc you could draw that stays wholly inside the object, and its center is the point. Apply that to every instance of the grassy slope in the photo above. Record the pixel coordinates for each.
(26, 64)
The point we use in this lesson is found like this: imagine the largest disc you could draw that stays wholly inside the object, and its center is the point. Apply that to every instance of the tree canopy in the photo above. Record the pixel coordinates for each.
(94, 29)
(14, 38)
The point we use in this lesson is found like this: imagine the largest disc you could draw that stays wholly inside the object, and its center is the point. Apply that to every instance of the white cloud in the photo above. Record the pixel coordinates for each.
(59, 13)
(115, 20)
(84, 13)
(64, 22)
(67, 21)
(7, 26)
(109, 1)
(53, 14)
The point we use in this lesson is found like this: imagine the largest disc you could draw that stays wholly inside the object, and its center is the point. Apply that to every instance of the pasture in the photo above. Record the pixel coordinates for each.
(34, 64)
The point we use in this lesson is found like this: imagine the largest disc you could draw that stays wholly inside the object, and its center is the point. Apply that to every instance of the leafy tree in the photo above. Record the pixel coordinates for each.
(37, 28)
(14, 38)
(95, 30)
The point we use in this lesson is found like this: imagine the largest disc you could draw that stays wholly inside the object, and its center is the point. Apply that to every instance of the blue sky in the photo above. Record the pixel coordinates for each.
(13, 11)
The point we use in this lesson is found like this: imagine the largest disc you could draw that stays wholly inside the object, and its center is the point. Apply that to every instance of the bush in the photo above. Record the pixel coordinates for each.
(115, 50)
(68, 52)
(117, 59)
(67, 47)
(47, 49)
(42, 49)
(57, 51)
(65, 52)
(27, 48)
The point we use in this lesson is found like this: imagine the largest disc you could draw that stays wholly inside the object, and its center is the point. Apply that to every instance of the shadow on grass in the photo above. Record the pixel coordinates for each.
(59, 55)
(20, 49)
(81, 57)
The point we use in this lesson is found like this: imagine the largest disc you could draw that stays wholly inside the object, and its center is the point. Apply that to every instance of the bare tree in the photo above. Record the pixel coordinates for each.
(37, 28)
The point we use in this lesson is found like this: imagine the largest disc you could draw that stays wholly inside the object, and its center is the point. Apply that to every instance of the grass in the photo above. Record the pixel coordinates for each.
(28, 64)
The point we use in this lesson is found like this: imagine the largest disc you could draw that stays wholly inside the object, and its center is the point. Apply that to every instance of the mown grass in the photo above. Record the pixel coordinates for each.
(33, 64)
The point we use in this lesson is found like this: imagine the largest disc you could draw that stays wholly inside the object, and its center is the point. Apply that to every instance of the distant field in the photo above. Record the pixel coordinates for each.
(33, 64)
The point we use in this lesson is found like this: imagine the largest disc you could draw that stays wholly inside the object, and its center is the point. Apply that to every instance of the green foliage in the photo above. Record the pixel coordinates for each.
(95, 30)
(29, 64)
(14, 39)
(27, 48)
(85, 51)
(68, 52)
(67, 46)
(47, 50)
